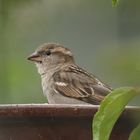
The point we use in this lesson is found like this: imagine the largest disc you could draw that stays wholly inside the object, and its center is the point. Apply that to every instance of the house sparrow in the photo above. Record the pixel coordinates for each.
(63, 81)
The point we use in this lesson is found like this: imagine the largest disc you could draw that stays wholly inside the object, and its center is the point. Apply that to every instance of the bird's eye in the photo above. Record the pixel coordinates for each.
(48, 52)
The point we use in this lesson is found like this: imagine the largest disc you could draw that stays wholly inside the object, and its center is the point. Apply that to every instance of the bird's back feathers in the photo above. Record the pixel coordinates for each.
(74, 82)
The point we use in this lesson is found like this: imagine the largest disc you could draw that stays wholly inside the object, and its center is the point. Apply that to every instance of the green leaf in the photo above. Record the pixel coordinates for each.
(115, 2)
(110, 109)
(135, 134)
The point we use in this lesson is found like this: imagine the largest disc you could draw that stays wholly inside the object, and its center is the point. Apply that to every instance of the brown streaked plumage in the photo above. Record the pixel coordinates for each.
(63, 81)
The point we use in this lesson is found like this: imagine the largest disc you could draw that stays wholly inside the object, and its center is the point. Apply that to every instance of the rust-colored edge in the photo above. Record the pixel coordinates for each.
(47, 110)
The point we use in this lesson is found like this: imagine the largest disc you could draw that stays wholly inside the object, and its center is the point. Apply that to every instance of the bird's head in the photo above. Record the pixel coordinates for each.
(50, 56)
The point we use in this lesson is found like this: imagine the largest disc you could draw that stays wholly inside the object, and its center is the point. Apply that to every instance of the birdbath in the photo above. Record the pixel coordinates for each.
(59, 122)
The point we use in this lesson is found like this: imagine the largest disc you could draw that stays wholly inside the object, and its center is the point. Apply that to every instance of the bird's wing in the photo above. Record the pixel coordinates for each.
(76, 83)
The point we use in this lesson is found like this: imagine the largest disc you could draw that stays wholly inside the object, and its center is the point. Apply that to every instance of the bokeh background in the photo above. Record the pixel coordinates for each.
(104, 39)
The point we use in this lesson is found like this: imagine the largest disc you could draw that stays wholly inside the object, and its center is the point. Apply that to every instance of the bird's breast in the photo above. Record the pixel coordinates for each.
(47, 87)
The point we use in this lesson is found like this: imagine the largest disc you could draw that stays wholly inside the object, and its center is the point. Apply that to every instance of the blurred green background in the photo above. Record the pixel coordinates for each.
(104, 39)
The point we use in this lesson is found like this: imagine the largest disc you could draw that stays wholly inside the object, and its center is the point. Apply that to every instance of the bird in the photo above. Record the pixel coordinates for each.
(63, 81)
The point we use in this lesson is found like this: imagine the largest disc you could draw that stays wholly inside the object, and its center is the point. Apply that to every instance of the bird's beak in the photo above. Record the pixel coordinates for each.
(35, 57)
